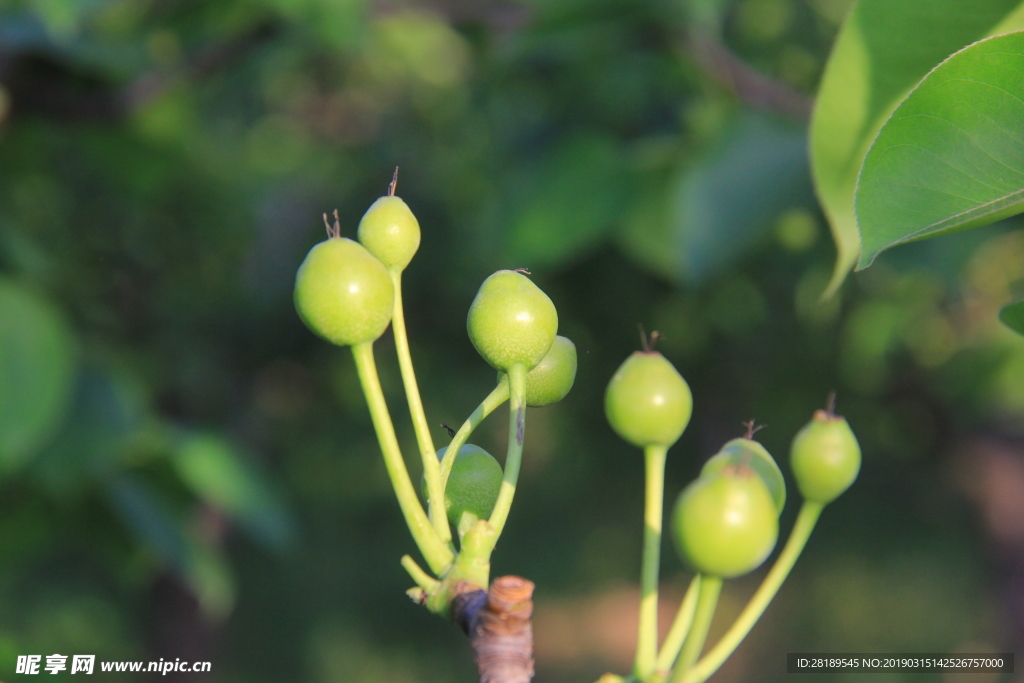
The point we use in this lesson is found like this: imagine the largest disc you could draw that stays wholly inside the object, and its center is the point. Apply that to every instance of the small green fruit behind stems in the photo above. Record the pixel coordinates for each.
(390, 231)
(647, 402)
(750, 453)
(550, 381)
(825, 457)
(498, 396)
(343, 293)
(511, 321)
(726, 525)
(473, 484)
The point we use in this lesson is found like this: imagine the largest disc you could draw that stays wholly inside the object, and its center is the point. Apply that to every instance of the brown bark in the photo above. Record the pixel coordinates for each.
(499, 625)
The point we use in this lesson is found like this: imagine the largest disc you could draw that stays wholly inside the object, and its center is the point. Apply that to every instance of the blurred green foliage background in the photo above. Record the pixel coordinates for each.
(187, 472)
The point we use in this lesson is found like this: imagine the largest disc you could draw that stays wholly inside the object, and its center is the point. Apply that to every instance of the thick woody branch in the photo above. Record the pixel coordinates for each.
(499, 625)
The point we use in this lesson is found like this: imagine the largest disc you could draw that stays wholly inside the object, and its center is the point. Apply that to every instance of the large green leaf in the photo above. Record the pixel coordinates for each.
(1012, 316)
(884, 48)
(36, 369)
(951, 156)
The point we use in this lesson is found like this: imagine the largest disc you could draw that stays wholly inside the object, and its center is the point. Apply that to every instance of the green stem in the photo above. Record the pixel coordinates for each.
(654, 491)
(488, 406)
(710, 589)
(805, 522)
(437, 553)
(424, 580)
(431, 470)
(680, 627)
(516, 435)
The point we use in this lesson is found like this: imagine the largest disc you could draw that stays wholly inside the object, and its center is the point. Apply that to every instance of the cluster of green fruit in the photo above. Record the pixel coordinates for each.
(348, 292)
(725, 523)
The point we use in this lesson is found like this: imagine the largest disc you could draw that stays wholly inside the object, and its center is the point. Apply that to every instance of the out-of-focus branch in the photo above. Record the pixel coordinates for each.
(749, 85)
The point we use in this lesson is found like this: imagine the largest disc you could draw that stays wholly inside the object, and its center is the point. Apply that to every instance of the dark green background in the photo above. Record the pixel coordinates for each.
(187, 472)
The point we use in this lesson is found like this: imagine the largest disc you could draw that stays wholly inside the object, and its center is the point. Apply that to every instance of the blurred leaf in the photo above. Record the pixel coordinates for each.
(209, 575)
(702, 219)
(36, 369)
(420, 46)
(200, 563)
(149, 521)
(883, 49)
(218, 475)
(568, 202)
(951, 156)
(60, 16)
(1012, 316)
(705, 13)
(336, 24)
(23, 31)
(92, 440)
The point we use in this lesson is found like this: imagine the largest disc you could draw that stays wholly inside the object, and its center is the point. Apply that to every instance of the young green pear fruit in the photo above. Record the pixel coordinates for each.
(825, 457)
(343, 293)
(647, 402)
(750, 453)
(726, 524)
(390, 231)
(473, 484)
(552, 378)
(511, 321)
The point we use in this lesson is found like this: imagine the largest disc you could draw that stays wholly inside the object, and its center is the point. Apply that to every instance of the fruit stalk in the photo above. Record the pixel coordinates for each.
(710, 589)
(436, 552)
(680, 627)
(425, 581)
(498, 396)
(516, 436)
(647, 634)
(802, 529)
(428, 454)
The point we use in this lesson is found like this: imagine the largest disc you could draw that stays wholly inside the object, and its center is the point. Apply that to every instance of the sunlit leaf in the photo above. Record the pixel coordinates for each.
(884, 48)
(36, 372)
(1012, 316)
(951, 156)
